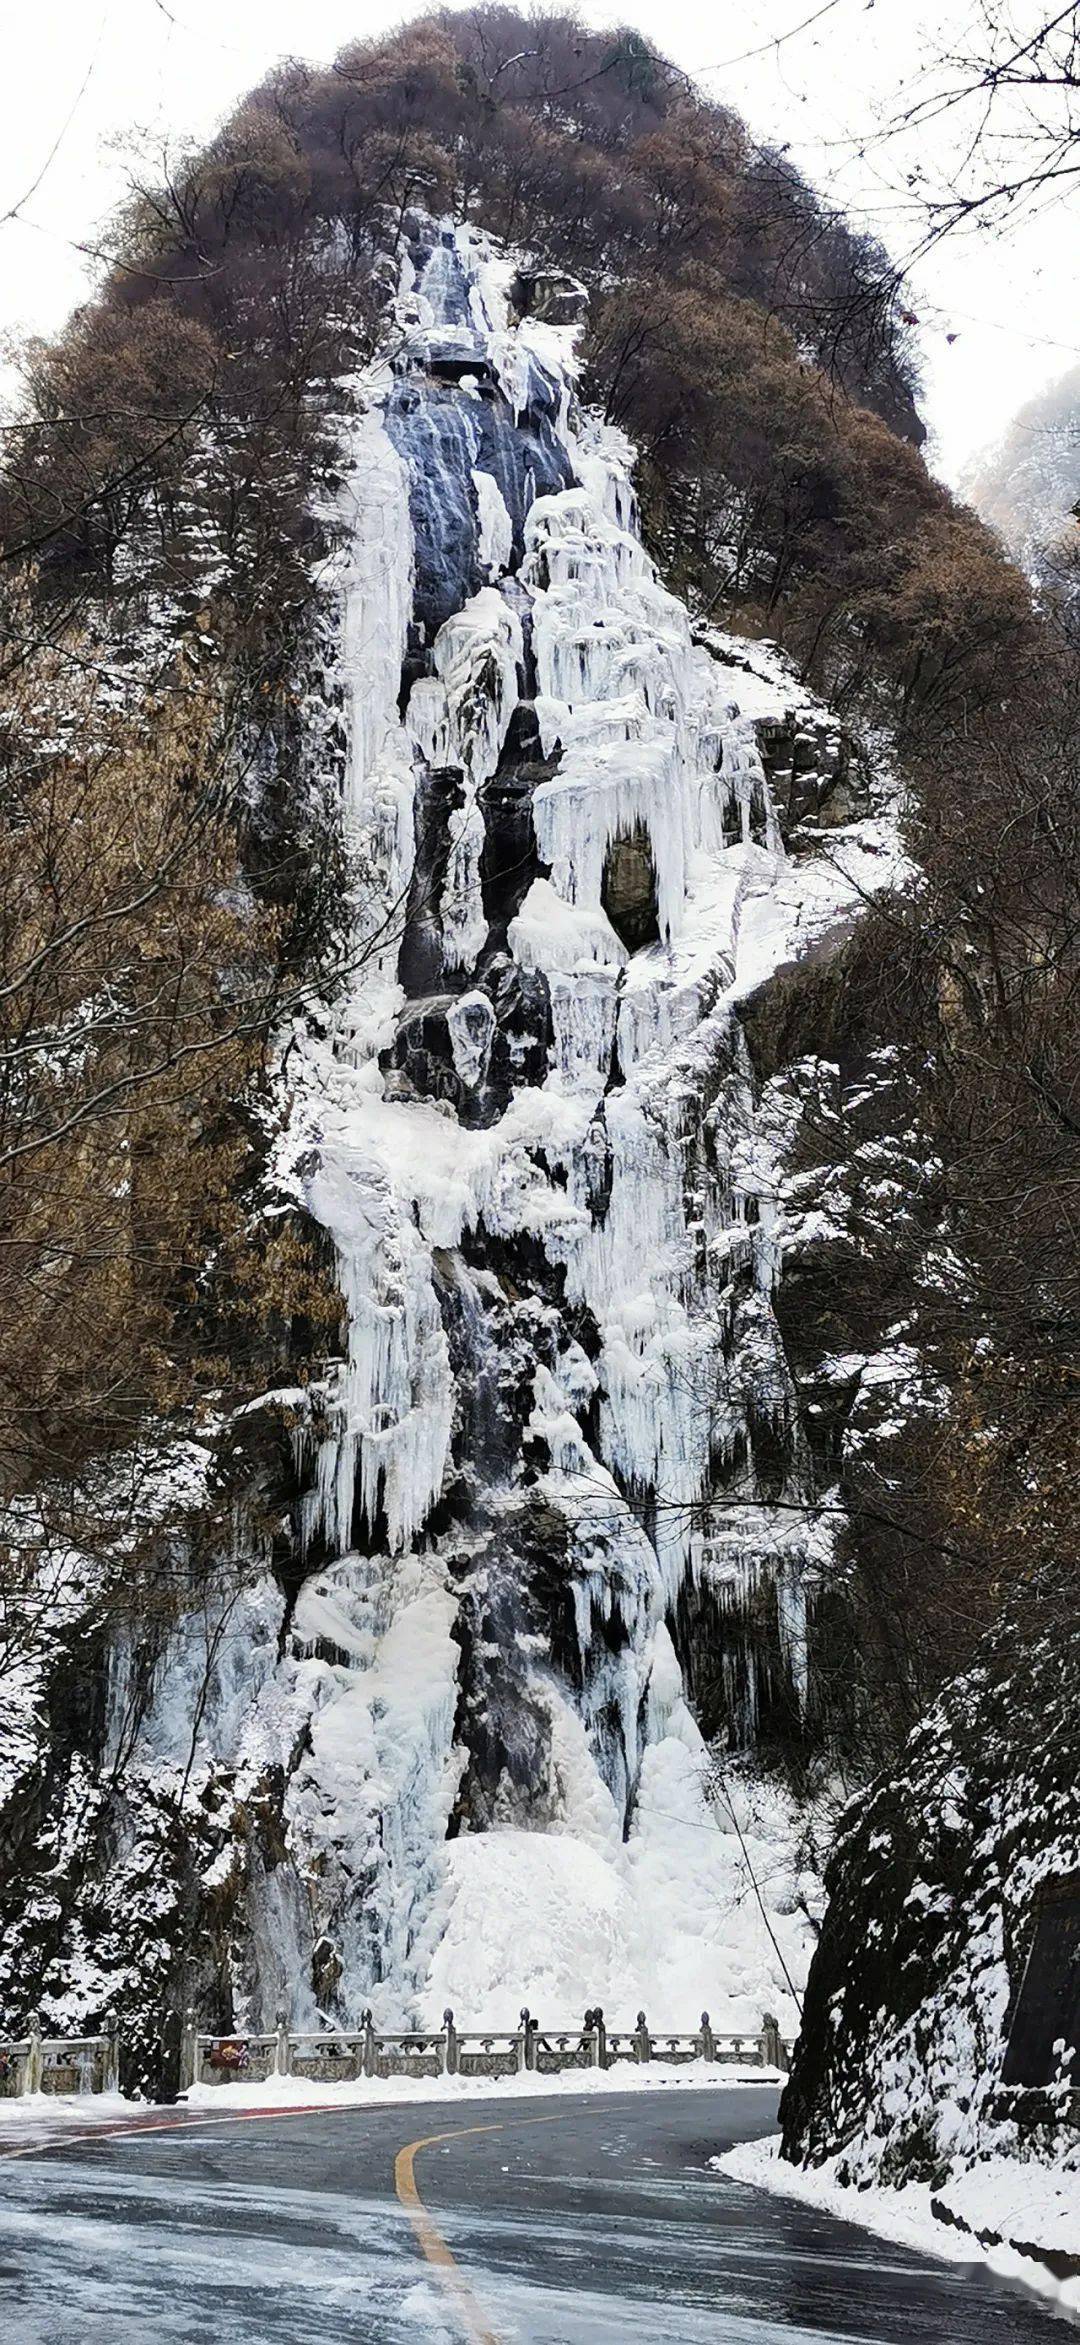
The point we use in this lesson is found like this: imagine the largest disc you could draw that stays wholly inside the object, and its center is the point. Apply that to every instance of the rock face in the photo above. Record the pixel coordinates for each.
(932, 1900)
(628, 890)
(559, 1482)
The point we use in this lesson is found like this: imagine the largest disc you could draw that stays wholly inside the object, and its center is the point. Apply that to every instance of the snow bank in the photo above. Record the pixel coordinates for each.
(1020, 2201)
(906, 2215)
(667, 1923)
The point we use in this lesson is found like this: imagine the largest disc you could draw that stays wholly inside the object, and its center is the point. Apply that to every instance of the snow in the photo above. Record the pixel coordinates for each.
(550, 934)
(762, 677)
(626, 2076)
(169, 2257)
(779, 919)
(1045, 2213)
(667, 1923)
(900, 2215)
(1020, 2200)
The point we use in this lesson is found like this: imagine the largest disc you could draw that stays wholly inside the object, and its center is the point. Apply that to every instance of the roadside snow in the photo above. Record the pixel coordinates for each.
(905, 2217)
(1038, 2206)
(286, 2091)
(32, 2118)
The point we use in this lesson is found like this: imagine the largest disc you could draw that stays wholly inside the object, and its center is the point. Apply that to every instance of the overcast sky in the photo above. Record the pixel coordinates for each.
(79, 74)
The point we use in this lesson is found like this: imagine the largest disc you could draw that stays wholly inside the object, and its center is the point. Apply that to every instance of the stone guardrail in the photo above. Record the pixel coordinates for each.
(36, 2063)
(192, 2055)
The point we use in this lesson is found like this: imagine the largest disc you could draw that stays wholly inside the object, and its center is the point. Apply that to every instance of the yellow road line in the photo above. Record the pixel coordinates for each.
(428, 2235)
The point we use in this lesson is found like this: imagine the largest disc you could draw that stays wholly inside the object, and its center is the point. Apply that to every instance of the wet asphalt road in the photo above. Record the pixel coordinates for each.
(601, 2224)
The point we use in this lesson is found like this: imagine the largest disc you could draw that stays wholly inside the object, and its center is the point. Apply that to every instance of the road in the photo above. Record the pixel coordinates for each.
(592, 2222)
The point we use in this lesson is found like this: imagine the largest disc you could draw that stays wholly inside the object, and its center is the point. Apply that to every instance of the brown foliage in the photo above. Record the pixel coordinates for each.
(138, 975)
(592, 152)
(974, 982)
(113, 410)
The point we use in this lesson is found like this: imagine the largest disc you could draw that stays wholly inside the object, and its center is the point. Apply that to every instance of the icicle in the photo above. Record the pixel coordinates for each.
(374, 574)
(496, 544)
(460, 718)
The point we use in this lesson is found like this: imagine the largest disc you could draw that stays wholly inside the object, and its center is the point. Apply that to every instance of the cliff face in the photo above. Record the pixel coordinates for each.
(933, 1897)
(557, 1508)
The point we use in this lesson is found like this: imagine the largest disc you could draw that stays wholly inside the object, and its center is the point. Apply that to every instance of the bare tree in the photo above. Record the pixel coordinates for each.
(996, 118)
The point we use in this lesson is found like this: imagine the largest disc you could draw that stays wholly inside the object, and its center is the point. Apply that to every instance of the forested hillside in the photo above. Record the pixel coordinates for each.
(251, 854)
(1028, 486)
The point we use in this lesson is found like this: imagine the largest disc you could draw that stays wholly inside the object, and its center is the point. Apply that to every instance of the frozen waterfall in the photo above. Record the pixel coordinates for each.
(530, 1129)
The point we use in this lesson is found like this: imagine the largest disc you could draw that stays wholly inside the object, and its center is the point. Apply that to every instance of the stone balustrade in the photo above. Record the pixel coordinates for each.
(37, 2063)
(193, 2055)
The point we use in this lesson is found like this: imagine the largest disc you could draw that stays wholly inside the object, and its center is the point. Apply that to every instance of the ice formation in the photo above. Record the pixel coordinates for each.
(529, 1128)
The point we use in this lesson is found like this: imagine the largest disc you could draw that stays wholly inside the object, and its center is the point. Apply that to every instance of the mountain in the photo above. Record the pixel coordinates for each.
(534, 1124)
(1028, 486)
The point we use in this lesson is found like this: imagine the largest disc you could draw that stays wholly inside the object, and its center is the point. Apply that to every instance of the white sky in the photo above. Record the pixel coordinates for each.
(84, 72)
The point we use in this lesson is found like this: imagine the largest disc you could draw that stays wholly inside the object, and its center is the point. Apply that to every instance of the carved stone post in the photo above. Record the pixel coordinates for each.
(282, 2046)
(528, 2039)
(594, 2026)
(642, 2039)
(708, 2040)
(450, 2044)
(35, 2058)
(367, 2024)
(110, 2062)
(772, 2048)
(189, 2051)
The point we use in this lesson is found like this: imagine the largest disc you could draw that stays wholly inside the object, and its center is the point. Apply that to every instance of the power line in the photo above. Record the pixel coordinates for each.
(61, 135)
(775, 41)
